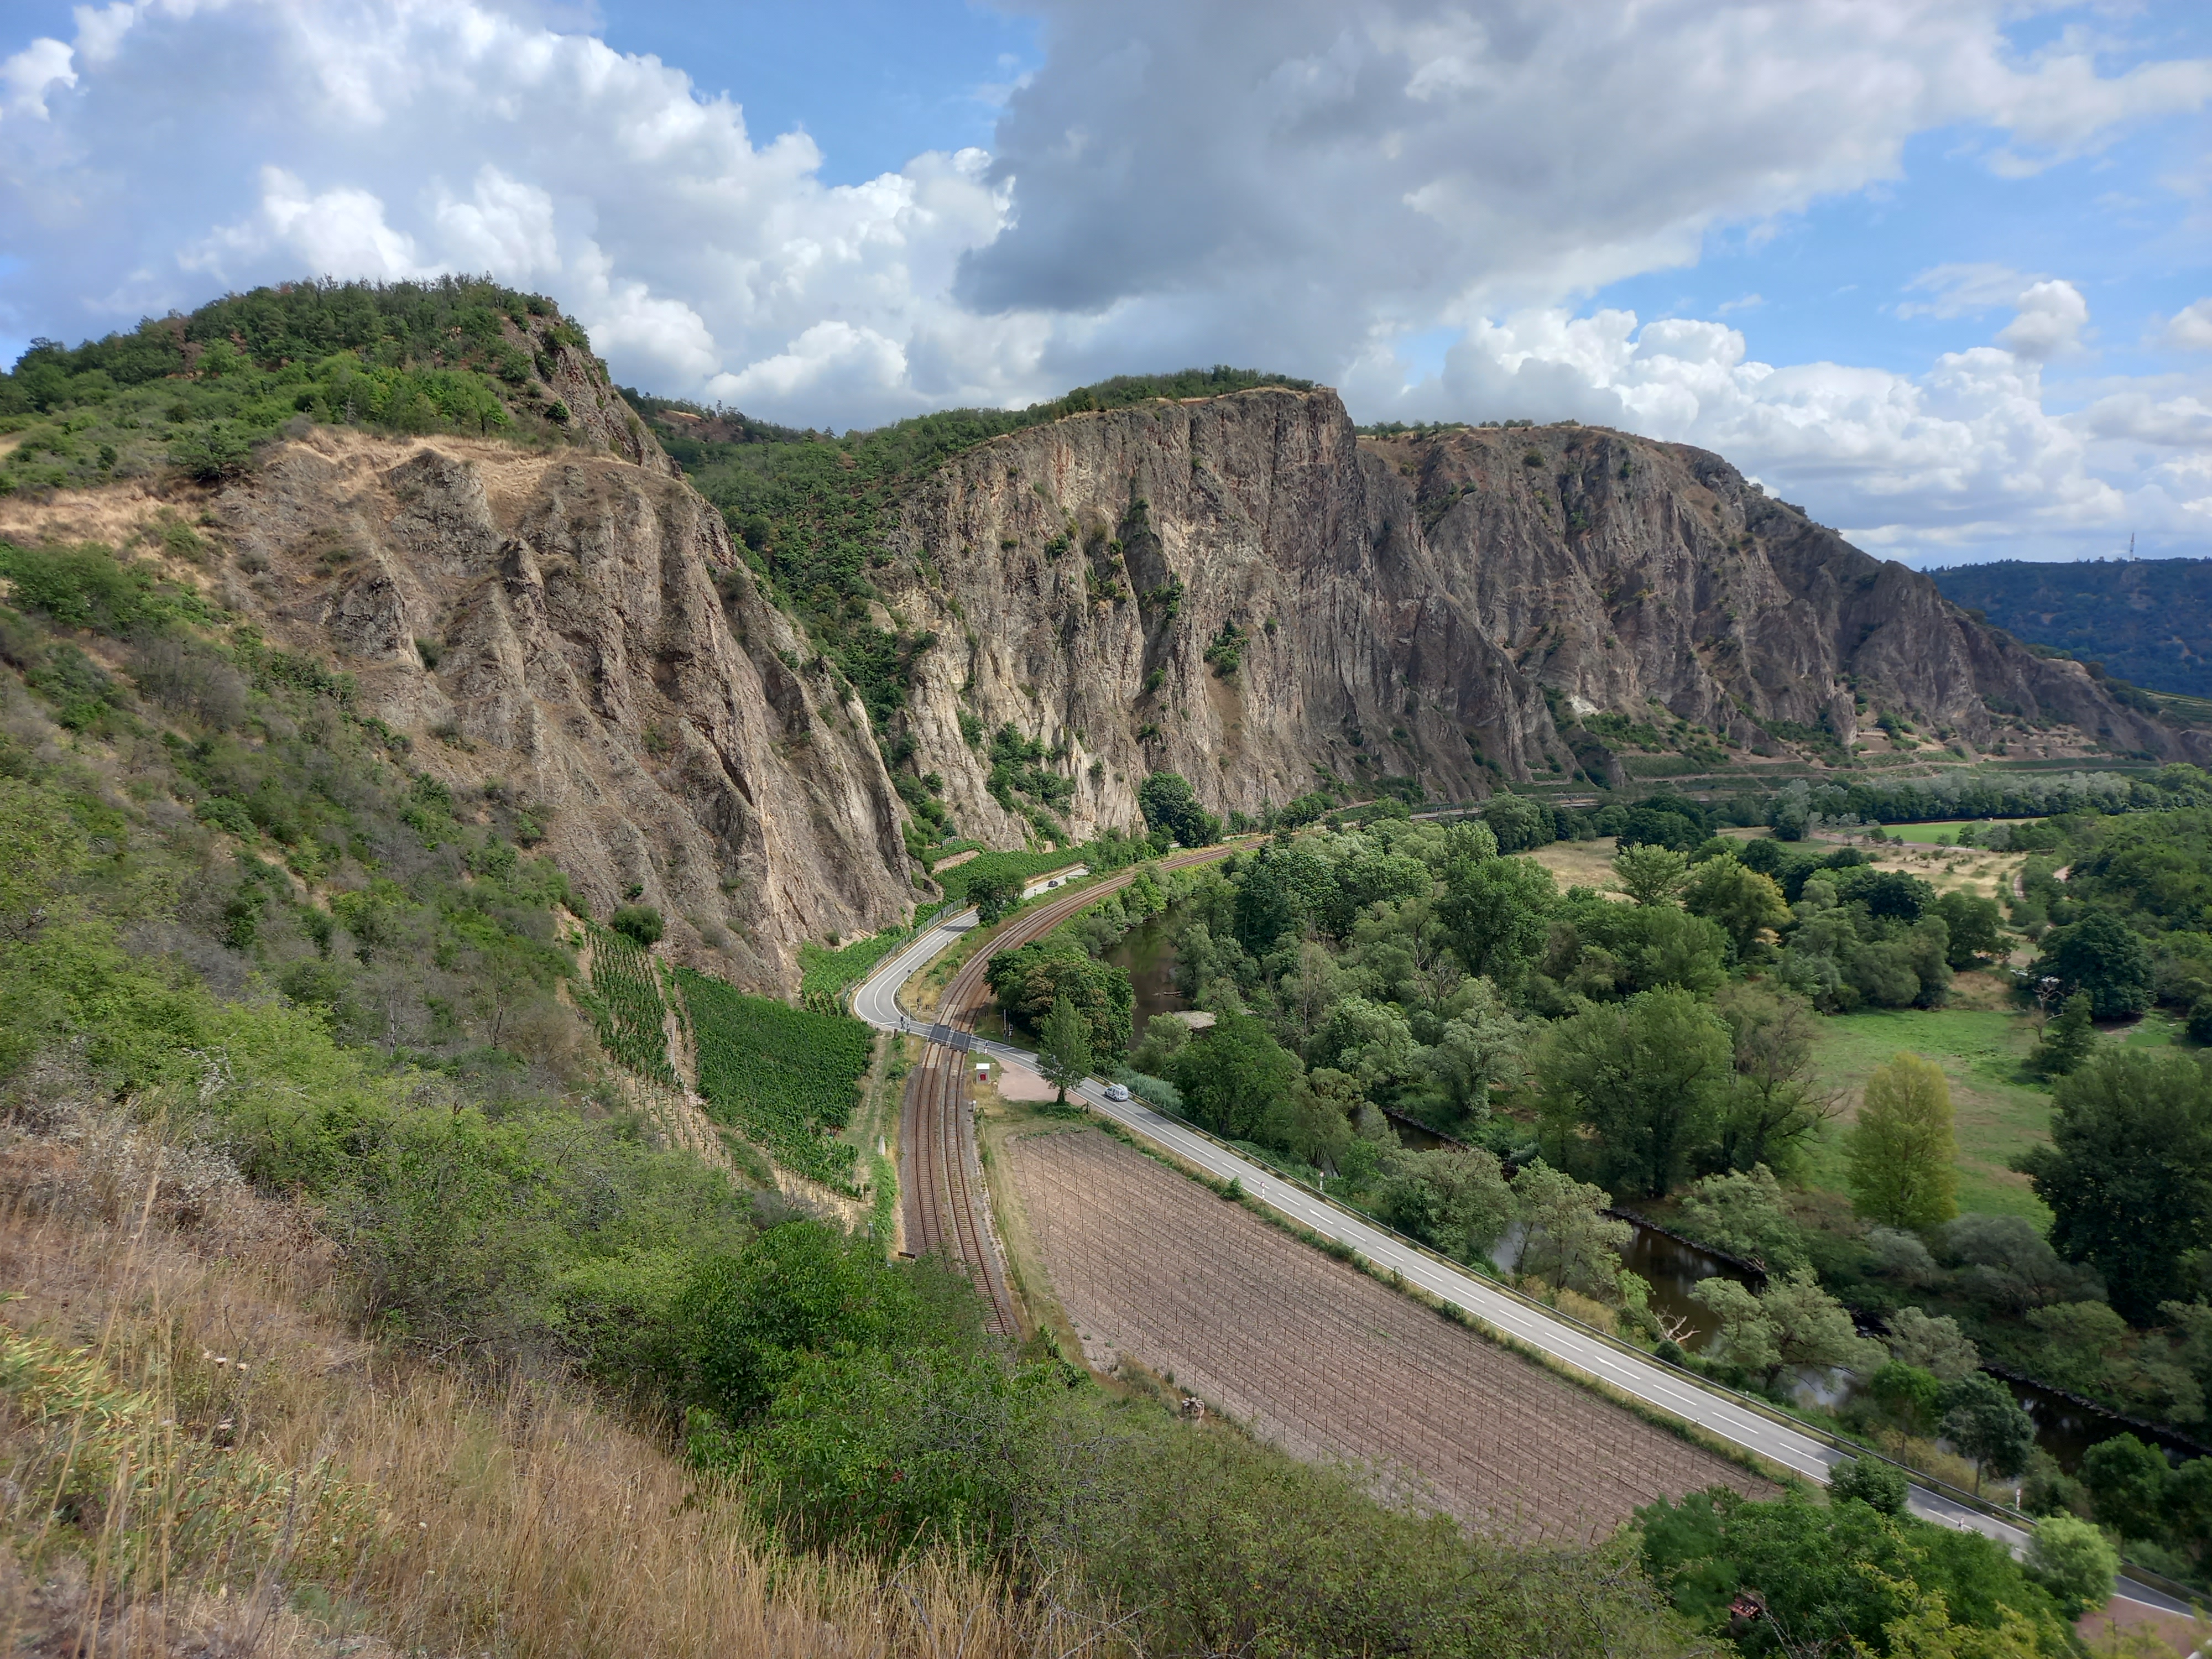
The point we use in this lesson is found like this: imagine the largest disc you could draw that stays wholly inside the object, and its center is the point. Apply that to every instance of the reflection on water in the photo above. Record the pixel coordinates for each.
(1672, 1270)
(1150, 960)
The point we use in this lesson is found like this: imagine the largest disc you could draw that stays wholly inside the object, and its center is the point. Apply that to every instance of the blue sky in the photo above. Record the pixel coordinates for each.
(1938, 269)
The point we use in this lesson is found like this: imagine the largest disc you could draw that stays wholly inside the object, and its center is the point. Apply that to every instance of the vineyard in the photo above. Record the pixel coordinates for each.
(786, 1077)
(625, 1005)
(1330, 1364)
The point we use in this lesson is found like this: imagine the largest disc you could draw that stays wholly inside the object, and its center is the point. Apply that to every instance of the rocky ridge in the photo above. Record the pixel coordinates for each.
(1244, 590)
(1241, 588)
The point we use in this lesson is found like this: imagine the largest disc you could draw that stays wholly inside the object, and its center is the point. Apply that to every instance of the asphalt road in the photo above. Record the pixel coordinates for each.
(876, 1002)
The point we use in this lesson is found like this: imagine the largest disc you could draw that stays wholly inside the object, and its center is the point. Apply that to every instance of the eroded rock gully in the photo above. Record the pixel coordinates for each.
(599, 651)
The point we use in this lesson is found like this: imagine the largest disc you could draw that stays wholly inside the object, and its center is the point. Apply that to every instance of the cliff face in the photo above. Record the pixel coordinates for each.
(1407, 606)
(600, 652)
(1240, 589)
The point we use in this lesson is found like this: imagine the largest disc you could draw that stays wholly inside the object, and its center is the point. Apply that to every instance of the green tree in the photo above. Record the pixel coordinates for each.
(639, 923)
(1064, 1048)
(2072, 1559)
(1880, 1486)
(1792, 1323)
(2100, 954)
(1775, 1106)
(1908, 1397)
(2127, 1480)
(1742, 901)
(1636, 1089)
(2067, 1040)
(1976, 930)
(1028, 982)
(1651, 873)
(1235, 1078)
(1933, 1345)
(1495, 911)
(1169, 803)
(992, 898)
(1518, 823)
(1455, 1199)
(2128, 1174)
(1903, 1156)
(1844, 1575)
(1984, 1422)
(1567, 1240)
(1743, 1213)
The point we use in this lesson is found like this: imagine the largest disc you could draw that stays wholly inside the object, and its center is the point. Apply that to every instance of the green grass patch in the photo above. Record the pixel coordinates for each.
(2000, 1113)
(785, 1077)
(1944, 834)
(625, 1005)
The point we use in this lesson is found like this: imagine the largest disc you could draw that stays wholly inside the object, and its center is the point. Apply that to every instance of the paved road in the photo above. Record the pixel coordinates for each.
(1657, 1385)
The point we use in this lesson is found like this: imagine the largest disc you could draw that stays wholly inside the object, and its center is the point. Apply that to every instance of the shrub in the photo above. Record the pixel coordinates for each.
(639, 923)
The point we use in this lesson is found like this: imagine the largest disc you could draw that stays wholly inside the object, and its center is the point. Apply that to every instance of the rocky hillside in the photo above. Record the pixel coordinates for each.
(1007, 618)
(1244, 590)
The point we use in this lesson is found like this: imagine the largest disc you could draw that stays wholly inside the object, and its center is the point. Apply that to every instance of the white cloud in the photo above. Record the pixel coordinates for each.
(1959, 290)
(1964, 461)
(2051, 317)
(30, 74)
(1298, 185)
(2189, 329)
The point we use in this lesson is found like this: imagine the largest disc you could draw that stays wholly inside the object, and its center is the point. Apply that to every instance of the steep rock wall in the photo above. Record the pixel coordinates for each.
(1407, 606)
(601, 653)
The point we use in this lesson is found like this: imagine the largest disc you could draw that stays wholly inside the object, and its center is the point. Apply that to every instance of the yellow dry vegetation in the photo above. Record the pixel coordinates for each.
(204, 1456)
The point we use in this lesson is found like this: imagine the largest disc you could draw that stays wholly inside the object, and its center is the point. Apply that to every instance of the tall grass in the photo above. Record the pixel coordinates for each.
(200, 1455)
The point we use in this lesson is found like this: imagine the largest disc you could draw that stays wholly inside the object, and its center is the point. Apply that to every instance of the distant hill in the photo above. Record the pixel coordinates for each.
(2147, 620)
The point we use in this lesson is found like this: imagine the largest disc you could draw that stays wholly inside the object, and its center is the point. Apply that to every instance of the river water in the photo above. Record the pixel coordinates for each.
(1673, 1268)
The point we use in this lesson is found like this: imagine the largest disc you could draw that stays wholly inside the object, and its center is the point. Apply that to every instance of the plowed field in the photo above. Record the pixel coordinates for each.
(1314, 1356)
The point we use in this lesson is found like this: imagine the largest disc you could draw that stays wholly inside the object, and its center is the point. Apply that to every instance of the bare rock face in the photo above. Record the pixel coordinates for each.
(1414, 607)
(1228, 588)
(1240, 589)
(599, 652)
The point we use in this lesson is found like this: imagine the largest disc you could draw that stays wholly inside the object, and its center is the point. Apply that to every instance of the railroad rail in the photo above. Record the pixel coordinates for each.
(947, 1204)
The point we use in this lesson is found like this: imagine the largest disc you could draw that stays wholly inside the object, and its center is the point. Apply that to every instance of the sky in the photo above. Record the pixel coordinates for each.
(1936, 269)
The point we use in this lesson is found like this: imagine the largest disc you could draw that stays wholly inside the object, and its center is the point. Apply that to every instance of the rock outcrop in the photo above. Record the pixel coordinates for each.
(573, 624)
(1243, 590)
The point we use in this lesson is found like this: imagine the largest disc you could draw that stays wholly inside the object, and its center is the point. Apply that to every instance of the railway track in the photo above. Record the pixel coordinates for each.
(948, 1206)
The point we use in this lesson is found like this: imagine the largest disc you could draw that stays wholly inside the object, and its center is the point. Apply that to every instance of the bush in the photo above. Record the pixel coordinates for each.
(641, 924)
(2074, 1561)
(1879, 1485)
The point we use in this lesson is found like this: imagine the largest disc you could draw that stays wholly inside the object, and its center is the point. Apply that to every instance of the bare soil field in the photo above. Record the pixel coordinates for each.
(1326, 1363)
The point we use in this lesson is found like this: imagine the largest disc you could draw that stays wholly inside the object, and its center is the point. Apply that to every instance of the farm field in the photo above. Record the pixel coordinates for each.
(1945, 833)
(1317, 1358)
(625, 1005)
(1578, 863)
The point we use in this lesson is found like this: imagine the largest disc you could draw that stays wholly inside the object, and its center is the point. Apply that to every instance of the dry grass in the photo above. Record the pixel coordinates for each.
(368, 1495)
(1579, 863)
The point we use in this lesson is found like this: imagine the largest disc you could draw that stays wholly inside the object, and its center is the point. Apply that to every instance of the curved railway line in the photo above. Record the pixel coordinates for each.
(947, 1207)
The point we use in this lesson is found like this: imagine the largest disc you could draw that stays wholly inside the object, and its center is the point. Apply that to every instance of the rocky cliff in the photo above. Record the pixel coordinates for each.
(1243, 590)
(1239, 588)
